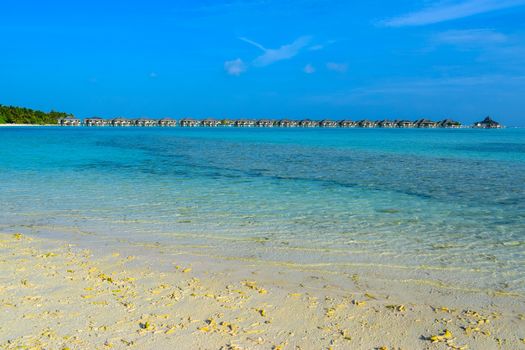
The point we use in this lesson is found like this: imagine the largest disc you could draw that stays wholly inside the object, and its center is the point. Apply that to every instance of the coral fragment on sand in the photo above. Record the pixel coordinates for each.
(442, 337)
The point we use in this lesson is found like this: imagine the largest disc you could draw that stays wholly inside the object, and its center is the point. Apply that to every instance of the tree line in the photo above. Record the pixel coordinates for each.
(20, 115)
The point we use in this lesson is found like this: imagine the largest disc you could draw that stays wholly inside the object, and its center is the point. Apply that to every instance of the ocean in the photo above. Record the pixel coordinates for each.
(407, 204)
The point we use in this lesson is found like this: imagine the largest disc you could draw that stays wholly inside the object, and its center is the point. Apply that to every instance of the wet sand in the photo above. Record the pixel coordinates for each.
(57, 295)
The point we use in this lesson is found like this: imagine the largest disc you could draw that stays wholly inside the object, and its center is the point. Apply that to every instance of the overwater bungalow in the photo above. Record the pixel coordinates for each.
(425, 123)
(95, 121)
(365, 123)
(449, 123)
(326, 123)
(487, 123)
(188, 122)
(265, 123)
(144, 122)
(245, 123)
(120, 122)
(227, 122)
(68, 121)
(167, 122)
(346, 123)
(404, 124)
(385, 123)
(210, 122)
(308, 123)
(287, 123)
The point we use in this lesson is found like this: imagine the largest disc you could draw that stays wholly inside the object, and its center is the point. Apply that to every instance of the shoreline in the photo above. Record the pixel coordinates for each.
(31, 125)
(143, 297)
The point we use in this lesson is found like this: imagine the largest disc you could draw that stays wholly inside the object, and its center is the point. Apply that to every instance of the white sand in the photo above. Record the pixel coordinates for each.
(33, 125)
(57, 296)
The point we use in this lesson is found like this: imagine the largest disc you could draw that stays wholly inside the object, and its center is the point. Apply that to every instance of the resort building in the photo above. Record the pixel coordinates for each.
(265, 123)
(120, 122)
(385, 123)
(325, 123)
(245, 123)
(449, 123)
(347, 124)
(227, 122)
(287, 123)
(188, 122)
(210, 122)
(404, 124)
(167, 122)
(144, 122)
(307, 123)
(487, 123)
(425, 123)
(95, 121)
(68, 121)
(366, 124)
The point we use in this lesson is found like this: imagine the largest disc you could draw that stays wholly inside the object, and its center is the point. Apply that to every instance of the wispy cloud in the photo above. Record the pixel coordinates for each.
(429, 87)
(470, 37)
(322, 46)
(284, 52)
(309, 69)
(337, 67)
(447, 10)
(235, 67)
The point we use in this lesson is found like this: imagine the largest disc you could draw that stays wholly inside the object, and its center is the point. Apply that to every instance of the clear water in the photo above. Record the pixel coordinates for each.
(442, 204)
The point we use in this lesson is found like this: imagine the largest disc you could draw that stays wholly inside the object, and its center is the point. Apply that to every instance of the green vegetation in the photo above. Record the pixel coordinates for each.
(19, 115)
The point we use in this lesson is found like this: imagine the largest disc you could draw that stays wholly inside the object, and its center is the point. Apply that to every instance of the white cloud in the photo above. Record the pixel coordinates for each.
(309, 69)
(337, 67)
(470, 37)
(443, 10)
(282, 53)
(235, 67)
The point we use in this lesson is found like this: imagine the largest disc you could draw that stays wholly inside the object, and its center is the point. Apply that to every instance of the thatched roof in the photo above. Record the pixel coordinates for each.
(489, 121)
(449, 122)
(425, 121)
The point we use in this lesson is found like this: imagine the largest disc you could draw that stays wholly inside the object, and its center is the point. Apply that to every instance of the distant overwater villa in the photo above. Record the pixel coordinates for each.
(487, 123)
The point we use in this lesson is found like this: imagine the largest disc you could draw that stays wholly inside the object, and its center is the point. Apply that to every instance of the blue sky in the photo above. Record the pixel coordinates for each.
(462, 59)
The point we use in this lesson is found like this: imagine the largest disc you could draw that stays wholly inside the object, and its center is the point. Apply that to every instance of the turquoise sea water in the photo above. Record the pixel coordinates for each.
(404, 203)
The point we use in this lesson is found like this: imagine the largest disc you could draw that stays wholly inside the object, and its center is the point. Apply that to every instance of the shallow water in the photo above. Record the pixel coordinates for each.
(442, 204)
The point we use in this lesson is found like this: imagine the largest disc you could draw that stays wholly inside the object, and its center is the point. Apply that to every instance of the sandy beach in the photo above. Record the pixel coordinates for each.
(24, 125)
(262, 175)
(57, 295)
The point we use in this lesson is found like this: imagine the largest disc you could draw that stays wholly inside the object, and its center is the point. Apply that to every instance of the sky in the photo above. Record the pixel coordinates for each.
(460, 59)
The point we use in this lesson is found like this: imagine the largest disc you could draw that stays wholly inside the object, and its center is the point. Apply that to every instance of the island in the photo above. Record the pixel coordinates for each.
(20, 115)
